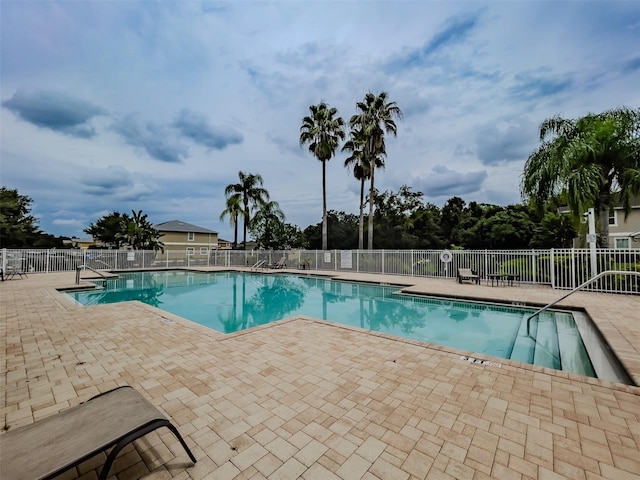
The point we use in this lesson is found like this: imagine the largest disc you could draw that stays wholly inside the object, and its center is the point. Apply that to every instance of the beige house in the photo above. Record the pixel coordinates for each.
(181, 236)
(625, 233)
(224, 244)
(83, 243)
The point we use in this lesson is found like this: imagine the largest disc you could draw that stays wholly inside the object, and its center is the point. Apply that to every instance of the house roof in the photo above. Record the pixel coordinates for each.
(615, 204)
(634, 201)
(180, 226)
(82, 240)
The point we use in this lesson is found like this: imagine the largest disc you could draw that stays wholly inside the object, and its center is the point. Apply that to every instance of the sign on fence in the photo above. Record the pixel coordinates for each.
(345, 259)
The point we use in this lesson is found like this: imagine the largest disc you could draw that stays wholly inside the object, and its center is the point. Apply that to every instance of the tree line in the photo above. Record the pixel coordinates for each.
(404, 221)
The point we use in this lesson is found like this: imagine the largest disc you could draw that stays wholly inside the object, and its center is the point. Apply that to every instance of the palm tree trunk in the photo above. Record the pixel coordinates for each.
(370, 232)
(245, 317)
(235, 233)
(603, 216)
(234, 308)
(361, 224)
(246, 216)
(324, 206)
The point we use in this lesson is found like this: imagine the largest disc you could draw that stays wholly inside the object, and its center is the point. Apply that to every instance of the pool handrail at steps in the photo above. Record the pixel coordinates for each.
(579, 287)
(257, 265)
(86, 267)
(104, 263)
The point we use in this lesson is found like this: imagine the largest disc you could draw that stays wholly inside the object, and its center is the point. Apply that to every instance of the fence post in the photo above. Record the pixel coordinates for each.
(486, 263)
(534, 266)
(382, 259)
(552, 270)
(358, 261)
(4, 261)
(412, 262)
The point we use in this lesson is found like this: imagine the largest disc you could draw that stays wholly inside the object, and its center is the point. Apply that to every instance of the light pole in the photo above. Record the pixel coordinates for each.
(591, 238)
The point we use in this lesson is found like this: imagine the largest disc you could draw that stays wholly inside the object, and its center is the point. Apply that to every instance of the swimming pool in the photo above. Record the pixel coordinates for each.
(232, 301)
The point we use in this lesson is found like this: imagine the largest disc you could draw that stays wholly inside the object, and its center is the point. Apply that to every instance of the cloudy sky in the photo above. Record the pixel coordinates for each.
(113, 106)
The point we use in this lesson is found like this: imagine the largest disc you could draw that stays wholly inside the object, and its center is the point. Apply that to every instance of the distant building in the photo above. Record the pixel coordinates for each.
(76, 242)
(251, 245)
(224, 244)
(623, 233)
(177, 235)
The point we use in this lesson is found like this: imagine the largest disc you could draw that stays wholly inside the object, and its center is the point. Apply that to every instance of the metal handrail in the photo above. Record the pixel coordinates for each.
(579, 287)
(104, 263)
(257, 265)
(86, 267)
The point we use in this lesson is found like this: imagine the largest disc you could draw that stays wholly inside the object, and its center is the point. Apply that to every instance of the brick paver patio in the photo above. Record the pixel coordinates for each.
(315, 400)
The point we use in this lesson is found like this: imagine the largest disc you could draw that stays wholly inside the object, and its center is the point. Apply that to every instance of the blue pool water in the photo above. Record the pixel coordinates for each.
(233, 301)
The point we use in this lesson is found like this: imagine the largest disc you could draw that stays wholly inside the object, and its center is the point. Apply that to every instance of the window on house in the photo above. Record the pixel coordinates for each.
(612, 217)
(622, 243)
(204, 250)
(191, 236)
(191, 251)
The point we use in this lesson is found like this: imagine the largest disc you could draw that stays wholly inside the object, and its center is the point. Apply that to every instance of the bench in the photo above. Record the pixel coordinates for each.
(57, 443)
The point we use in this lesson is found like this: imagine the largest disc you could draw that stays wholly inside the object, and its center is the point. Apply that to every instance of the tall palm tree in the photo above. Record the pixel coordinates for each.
(266, 217)
(361, 171)
(233, 210)
(375, 118)
(586, 161)
(323, 132)
(250, 190)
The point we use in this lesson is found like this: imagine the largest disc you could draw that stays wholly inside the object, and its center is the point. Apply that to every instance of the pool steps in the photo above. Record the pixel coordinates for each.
(573, 354)
(524, 346)
(547, 352)
(557, 345)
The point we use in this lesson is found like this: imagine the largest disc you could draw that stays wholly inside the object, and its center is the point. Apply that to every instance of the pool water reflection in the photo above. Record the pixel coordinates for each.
(233, 301)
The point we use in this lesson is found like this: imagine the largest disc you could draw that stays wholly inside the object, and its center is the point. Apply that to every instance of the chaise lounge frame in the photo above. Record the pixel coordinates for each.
(57, 443)
(467, 274)
(282, 263)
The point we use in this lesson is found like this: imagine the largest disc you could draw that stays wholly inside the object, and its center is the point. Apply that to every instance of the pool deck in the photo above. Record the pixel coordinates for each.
(315, 400)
